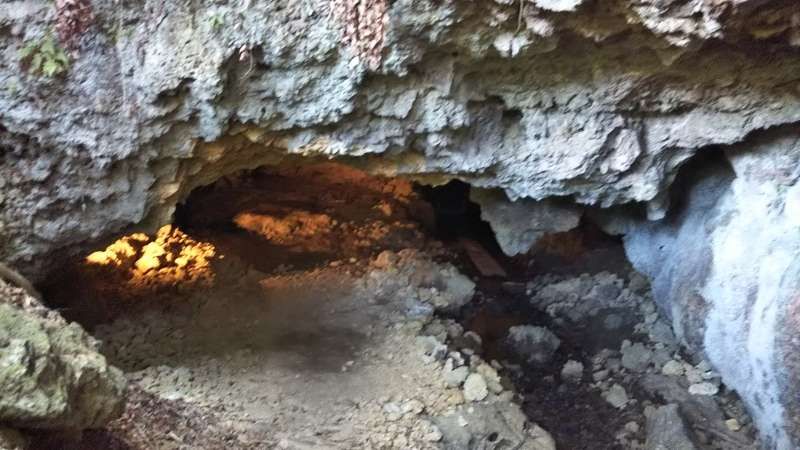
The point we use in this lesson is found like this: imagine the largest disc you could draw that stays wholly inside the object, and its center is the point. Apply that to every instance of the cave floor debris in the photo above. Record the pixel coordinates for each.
(305, 308)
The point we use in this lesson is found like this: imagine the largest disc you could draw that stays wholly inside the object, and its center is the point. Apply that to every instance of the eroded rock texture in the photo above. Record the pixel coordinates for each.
(51, 374)
(726, 269)
(598, 102)
(518, 225)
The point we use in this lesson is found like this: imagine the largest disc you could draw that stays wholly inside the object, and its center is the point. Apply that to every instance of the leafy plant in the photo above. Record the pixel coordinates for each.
(44, 57)
(216, 21)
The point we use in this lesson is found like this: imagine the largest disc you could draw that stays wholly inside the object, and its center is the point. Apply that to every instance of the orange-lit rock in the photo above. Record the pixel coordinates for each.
(140, 266)
(289, 229)
(153, 256)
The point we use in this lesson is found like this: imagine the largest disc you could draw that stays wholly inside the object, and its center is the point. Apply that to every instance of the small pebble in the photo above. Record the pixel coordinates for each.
(475, 388)
(672, 368)
(704, 388)
(616, 396)
(600, 375)
(632, 427)
(733, 425)
(572, 372)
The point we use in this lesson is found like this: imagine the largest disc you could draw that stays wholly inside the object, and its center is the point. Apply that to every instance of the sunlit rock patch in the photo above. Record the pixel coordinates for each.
(135, 271)
(167, 259)
(291, 229)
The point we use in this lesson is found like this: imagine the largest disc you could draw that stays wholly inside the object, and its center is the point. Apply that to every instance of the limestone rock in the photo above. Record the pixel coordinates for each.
(673, 368)
(429, 346)
(51, 374)
(475, 388)
(483, 425)
(518, 225)
(616, 396)
(666, 430)
(733, 424)
(572, 371)
(534, 344)
(491, 377)
(694, 408)
(636, 357)
(704, 388)
(722, 266)
(454, 376)
(593, 106)
(458, 290)
(546, 121)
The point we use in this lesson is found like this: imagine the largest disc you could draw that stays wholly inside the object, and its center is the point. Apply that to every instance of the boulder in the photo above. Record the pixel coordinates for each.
(666, 430)
(491, 425)
(725, 270)
(536, 345)
(518, 225)
(51, 374)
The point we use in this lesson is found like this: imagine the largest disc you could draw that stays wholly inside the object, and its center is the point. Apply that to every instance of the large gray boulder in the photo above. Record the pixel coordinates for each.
(518, 225)
(666, 430)
(726, 270)
(51, 375)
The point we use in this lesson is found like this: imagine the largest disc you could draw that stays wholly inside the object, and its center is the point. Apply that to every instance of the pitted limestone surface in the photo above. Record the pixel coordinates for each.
(539, 99)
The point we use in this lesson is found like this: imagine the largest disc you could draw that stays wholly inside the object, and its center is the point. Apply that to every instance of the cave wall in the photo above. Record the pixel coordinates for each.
(598, 101)
(725, 267)
(595, 102)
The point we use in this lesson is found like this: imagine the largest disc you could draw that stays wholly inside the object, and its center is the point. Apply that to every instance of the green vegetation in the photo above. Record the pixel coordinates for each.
(118, 33)
(216, 21)
(44, 57)
(12, 88)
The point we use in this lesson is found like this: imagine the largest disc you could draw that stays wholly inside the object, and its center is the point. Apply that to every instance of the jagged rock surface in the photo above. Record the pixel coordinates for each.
(666, 430)
(518, 225)
(725, 268)
(51, 374)
(599, 102)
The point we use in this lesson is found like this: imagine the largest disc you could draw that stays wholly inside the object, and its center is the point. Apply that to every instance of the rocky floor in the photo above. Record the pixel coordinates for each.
(306, 308)
(593, 347)
(310, 359)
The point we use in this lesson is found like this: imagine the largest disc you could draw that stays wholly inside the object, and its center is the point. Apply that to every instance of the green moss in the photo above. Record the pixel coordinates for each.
(12, 88)
(44, 57)
(216, 21)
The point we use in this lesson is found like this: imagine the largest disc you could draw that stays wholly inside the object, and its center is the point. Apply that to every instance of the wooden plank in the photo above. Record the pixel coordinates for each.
(481, 259)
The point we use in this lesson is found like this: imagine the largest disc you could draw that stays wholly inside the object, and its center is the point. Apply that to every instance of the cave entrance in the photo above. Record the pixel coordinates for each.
(305, 216)
(316, 305)
(276, 219)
